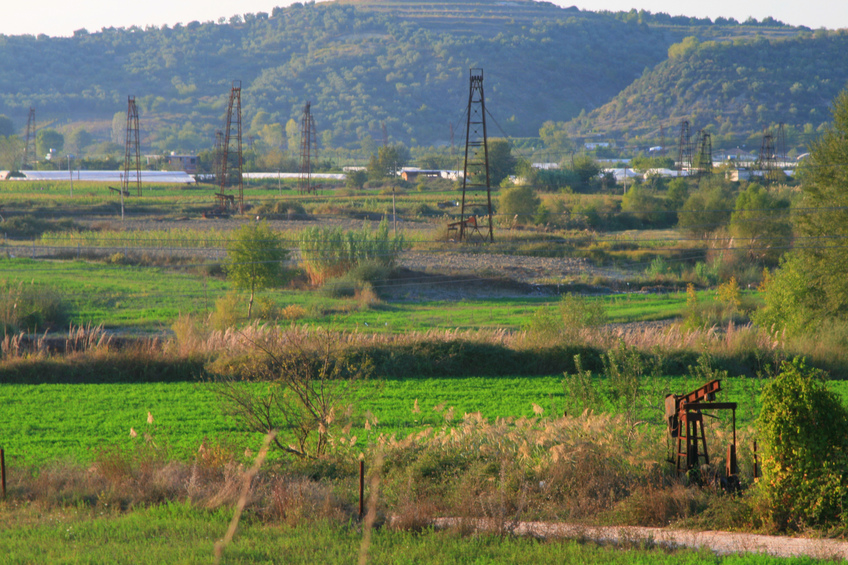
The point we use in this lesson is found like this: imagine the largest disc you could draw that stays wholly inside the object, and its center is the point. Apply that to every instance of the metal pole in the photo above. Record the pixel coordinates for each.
(122, 194)
(3, 470)
(394, 211)
(71, 174)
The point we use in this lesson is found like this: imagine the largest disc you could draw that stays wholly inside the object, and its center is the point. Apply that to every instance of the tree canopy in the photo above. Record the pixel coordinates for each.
(811, 286)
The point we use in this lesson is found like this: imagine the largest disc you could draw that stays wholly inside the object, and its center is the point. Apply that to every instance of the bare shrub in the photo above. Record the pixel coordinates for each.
(310, 394)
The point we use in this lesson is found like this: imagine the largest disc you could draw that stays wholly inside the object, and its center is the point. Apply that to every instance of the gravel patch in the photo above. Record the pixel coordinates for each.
(722, 543)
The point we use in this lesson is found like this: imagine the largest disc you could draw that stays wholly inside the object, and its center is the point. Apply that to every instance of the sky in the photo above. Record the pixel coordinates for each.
(62, 17)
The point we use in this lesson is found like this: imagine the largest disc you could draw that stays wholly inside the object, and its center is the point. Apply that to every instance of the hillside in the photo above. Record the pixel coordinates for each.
(360, 62)
(733, 89)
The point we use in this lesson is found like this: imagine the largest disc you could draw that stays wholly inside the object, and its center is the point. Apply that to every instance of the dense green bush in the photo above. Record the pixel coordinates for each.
(804, 433)
(518, 205)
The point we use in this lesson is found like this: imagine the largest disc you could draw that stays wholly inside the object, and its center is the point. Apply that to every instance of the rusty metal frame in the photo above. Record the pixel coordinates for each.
(475, 174)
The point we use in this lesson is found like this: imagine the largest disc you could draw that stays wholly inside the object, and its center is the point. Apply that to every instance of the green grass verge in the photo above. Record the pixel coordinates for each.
(180, 533)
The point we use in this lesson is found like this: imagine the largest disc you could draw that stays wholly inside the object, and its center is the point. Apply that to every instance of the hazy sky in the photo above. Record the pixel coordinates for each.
(62, 17)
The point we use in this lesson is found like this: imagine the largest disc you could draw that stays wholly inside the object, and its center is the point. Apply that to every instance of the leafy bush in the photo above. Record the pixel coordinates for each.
(789, 299)
(518, 205)
(804, 433)
(332, 252)
(227, 312)
(292, 210)
(29, 225)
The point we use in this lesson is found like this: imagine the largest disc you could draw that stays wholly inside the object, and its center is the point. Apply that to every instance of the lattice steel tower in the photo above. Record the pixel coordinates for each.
(231, 161)
(132, 155)
(766, 160)
(704, 164)
(684, 148)
(29, 146)
(308, 150)
(475, 174)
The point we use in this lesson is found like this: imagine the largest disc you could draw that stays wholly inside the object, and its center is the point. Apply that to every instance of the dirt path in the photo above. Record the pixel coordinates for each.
(722, 543)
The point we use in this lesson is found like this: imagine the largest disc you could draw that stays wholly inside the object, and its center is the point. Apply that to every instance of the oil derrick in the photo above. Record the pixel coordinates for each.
(704, 150)
(132, 157)
(308, 150)
(684, 148)
(475, 174)
(766, 161)
(231, 161)
(29, 146)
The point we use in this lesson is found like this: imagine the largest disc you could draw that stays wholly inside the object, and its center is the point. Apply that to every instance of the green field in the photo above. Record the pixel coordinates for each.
(182, 533)
(151, 298)
(40, 423)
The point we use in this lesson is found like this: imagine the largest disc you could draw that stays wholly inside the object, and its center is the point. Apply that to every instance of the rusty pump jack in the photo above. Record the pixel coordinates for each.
(686, 425)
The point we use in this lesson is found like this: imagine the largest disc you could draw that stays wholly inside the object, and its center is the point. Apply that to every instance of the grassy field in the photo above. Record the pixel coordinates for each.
(44, 422)
(151, 298)
(182, 533)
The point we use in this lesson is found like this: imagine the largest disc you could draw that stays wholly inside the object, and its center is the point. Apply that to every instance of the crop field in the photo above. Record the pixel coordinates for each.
(45, 422)
(151, 298)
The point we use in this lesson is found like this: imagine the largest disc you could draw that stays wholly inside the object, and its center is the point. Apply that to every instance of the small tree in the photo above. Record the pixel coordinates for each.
(804, 434)
(255, 259)
(356, 179)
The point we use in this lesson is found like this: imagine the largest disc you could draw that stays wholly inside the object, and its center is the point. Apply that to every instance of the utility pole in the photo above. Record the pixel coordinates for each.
(29, 146)
(71, 174)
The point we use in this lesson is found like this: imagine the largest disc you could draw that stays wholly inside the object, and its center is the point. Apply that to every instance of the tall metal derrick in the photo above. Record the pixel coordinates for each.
(475, 174)
(308, 150)
(29, 145)
(766, 159)
(132, 155)
(704, 151)
(231, 161)
(684, 148)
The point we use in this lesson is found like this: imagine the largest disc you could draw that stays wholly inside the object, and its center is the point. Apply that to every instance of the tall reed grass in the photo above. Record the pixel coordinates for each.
(332, 252)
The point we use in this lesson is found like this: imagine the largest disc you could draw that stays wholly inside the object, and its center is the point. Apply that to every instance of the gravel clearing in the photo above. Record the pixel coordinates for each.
(722, 543)
(533, 270)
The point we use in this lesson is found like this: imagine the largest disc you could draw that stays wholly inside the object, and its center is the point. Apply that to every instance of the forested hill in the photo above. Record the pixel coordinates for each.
(360, 62)
(732, 89)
